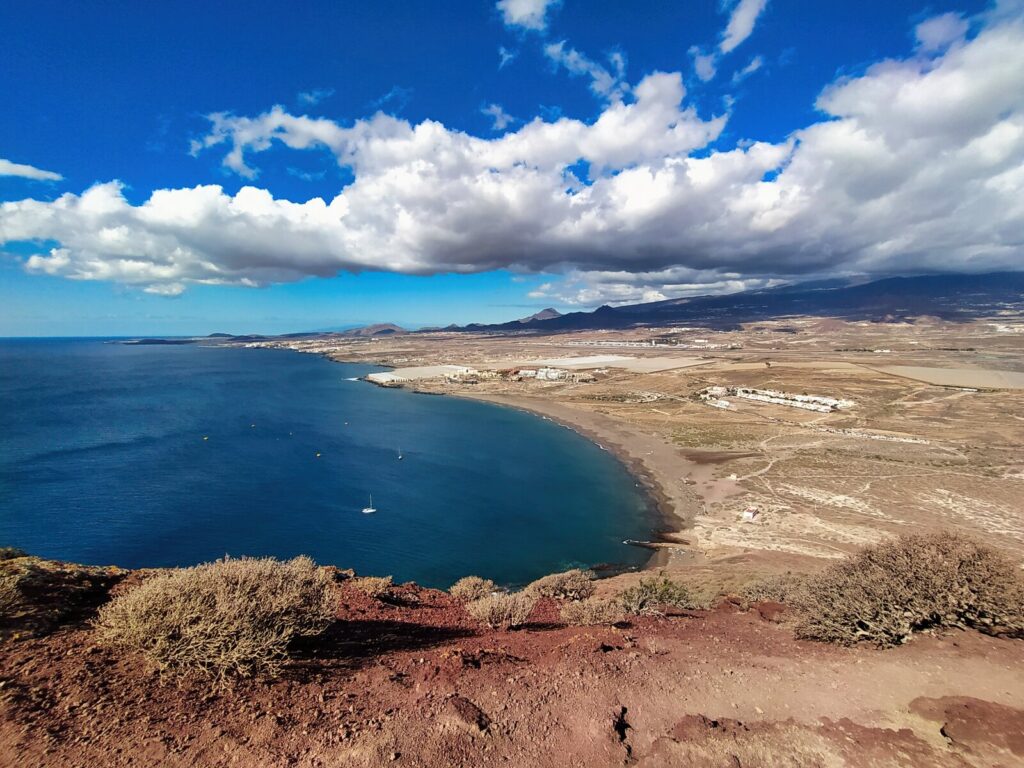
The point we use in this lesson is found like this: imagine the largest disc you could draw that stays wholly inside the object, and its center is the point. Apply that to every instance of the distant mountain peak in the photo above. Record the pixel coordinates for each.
(549, 313)
(377, 329)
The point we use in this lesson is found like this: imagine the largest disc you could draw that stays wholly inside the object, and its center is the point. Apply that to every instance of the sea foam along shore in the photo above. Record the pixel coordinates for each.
(660, 468)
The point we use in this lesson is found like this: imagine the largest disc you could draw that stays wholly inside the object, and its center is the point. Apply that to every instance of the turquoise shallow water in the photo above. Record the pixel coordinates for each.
(102, 460)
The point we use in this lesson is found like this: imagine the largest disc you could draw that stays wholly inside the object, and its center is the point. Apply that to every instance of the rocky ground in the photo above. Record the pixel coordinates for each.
(412, 680)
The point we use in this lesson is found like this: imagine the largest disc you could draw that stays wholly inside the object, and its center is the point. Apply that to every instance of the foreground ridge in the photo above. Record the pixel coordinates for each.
(405, 675)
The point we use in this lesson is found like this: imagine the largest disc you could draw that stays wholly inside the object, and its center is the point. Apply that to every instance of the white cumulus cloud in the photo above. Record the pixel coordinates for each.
(741, 23)
(497, 113)
(526, 14)
(755, 64)
(607, 83)
(505, 56)
(916, 165)
(589, 289)
(7, 168)
(740, 26)
(315, 96)
(704, 64)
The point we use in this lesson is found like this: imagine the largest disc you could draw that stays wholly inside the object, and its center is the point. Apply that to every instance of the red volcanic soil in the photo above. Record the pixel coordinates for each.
(414, 682)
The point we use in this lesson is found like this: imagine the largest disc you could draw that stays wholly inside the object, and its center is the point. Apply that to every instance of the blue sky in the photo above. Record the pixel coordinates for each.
(525, 154)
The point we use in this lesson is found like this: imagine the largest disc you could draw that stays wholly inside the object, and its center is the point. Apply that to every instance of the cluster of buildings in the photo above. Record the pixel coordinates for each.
(400, 376)
(624, 343)
(548, 374)
(715, 397)
(648, 343)
(461, 374)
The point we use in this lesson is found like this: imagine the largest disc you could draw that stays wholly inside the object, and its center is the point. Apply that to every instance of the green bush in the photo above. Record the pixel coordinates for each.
(230, 617)
(651, 596)
(471, 588)
(503, 611)
(593, 610)
(570, 585)
(886, 593)
(9, 553)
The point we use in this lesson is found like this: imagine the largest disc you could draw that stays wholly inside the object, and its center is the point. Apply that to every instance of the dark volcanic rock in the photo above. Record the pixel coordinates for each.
(469, 713)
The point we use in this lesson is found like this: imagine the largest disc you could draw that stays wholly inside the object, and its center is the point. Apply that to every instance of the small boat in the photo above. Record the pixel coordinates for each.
(370, 509)
(400, 456)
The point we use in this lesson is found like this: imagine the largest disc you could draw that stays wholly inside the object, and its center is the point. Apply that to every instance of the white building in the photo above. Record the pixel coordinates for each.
(551, 374)
(386, 379)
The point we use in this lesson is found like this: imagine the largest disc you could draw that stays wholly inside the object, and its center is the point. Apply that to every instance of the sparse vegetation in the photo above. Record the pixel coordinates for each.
(37, 596)
(471, 588)
(10, 595)
(651, 596)
(374, 586)
(779, 588)
(570, 585)
(886, 593)
(503, 611)
(9, 553)
(229, 617)
(591, 611)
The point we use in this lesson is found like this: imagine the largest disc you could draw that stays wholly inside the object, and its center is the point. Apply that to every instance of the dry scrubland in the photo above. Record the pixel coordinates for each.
(255, 661)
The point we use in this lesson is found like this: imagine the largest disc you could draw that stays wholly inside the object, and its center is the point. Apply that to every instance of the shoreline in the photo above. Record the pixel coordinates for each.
(664, 473)
(658, 468)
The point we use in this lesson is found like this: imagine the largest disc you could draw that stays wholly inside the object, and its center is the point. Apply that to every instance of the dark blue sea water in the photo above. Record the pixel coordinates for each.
(102, 460)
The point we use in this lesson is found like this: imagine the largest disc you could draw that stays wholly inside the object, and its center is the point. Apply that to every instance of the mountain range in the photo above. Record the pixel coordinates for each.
(947, 296)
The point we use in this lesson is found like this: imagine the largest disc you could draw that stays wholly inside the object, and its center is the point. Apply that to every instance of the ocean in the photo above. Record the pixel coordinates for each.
(151, 456)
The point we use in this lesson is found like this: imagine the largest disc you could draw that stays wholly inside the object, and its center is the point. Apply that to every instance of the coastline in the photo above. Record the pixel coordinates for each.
(666, 474)
(659, 468)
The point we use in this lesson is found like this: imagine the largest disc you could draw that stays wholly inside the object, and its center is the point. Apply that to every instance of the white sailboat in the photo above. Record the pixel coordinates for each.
(369, 510)
(400, 453)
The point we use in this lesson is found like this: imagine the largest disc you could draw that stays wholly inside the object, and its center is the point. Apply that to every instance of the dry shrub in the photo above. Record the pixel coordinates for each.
(10, 595)
(503, 611)
(37, 596)
(778, 588)
(374, 586)
(650, 596)
(591, 611)
(471, 588)
(229, 617)
(570, 585)
(9, 553)
(887, 592)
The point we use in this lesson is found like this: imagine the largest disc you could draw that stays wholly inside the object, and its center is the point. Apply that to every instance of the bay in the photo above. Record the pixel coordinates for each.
(152, 456)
